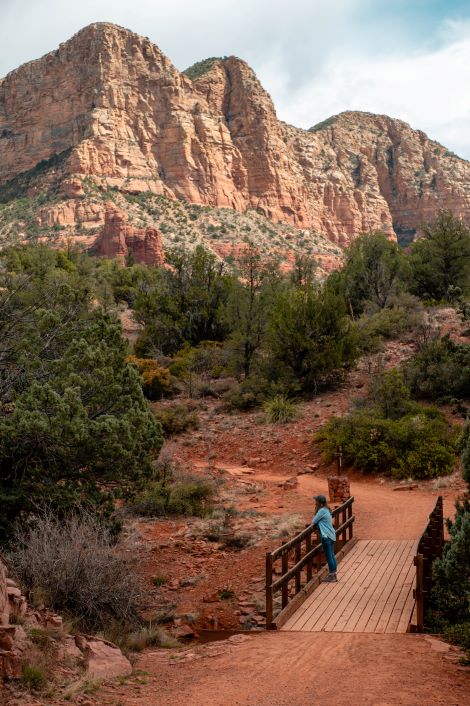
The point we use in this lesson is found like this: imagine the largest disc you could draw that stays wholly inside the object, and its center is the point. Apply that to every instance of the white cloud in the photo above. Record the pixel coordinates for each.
(427, 90)
(315, 57)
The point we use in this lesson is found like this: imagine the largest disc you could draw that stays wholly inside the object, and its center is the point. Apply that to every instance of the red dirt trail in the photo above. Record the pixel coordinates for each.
(324, 669)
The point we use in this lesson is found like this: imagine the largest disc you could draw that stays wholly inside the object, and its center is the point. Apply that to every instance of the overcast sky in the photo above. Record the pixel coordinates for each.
(409, 59)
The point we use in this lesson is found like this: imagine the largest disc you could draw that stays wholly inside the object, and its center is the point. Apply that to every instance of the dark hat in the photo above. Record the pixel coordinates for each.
(320, 499)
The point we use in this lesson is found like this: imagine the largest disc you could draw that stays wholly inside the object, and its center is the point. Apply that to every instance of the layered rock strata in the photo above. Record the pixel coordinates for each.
(128, 119)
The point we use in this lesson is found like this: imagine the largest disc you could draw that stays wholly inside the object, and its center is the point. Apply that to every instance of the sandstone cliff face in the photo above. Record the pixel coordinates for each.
(132, 121)
(119, 240)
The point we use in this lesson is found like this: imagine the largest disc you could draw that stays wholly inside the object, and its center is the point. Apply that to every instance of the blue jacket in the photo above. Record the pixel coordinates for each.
(324, 521)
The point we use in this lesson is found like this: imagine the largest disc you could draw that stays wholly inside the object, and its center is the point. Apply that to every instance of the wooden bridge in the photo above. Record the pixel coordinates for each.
(382, 587)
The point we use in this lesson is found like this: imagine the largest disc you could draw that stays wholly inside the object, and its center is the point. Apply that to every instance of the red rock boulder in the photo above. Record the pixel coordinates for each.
(120, 240)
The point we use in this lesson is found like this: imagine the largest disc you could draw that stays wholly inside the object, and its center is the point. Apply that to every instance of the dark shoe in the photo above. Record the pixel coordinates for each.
(331, 578)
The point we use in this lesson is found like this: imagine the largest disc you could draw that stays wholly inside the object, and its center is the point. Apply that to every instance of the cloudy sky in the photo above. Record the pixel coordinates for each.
(407, 58)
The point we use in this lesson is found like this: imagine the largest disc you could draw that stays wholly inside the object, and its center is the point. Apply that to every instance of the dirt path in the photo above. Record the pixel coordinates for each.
(302, 669)
(299, 669)
(293, 669)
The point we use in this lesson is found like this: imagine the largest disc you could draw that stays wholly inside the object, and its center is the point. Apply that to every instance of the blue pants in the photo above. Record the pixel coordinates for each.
(328, 547)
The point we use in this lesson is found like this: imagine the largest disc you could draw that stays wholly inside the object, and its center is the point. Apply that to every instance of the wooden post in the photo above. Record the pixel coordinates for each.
(419, 592)
(285, 586)
(318, 559)
(339, 461)
(269, 590)
(297, 557)
(308, 547)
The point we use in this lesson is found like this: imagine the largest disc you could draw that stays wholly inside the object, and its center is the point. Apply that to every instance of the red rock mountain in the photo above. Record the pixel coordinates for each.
(121, 117)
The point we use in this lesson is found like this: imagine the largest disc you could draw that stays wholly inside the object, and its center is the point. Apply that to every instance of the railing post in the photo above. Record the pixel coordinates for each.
(297, 558)
(308, 547)
(419, 592)
(285, 585)
(269, 590)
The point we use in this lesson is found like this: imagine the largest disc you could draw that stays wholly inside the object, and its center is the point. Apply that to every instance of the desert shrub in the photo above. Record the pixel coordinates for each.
(236, 541)
(248, 394)
(226, 593)
(389, 395)
(184, 496)
(450, 596)
(439, 370)
(72, 565)
(391, 434)
(33, 678)
(403, 315)
(156, 381)
(202, 360)
(176, 418)
(280, 410)
(418, 445)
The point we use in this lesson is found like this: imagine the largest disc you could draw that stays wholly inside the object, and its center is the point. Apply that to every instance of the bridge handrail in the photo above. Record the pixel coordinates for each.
(303, 558)
(430, 547)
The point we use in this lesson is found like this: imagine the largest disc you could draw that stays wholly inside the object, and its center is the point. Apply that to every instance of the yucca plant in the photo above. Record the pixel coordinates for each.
(280, 410)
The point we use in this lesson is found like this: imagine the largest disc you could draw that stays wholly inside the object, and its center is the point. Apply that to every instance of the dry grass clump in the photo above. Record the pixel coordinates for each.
(73, 566)
(149, 637)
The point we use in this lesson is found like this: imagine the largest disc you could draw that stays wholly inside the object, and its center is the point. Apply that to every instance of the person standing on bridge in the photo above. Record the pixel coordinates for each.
(323, 523)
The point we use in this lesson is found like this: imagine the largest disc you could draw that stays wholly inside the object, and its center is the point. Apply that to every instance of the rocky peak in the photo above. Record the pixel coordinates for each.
(127, 119)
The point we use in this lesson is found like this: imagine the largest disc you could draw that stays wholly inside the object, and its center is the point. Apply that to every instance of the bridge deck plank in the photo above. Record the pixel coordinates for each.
(374, 592)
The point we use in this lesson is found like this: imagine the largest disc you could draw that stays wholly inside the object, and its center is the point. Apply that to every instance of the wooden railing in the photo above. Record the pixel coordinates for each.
(297, 567)
(429, 548)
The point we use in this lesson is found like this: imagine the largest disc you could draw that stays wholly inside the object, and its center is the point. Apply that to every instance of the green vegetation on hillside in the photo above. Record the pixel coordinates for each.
(201, 67)
(323, 124)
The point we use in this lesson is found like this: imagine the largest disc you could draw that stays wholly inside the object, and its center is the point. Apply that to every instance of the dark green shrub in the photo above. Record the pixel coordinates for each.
(450, 596)
(440, 370)
(459, 634)
(311, 337)
(248, 394)
(391, 434)
(176, 418)
(373, 275)
(449, 605)
(402, 316)
(440, 260)
(419, 445)
(185, 496)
